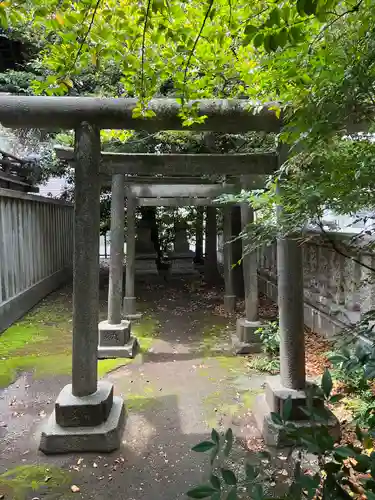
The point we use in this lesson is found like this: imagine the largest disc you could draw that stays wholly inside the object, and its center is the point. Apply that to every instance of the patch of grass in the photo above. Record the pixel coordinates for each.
(19, 482)
(41, 341)
(263, 363)
(146, 332)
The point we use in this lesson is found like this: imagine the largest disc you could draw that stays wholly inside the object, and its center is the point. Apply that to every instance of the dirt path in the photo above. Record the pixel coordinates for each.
(186, 382)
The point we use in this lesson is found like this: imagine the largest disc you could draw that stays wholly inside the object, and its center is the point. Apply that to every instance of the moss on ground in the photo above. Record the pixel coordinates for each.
(228, 402)
(19, 482)
(41, 341)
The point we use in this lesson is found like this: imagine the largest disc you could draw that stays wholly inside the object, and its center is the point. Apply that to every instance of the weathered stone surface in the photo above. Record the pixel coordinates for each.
(273, 400)
(277, 394)
(274, 435)
(129, 350)
(102, 438)
(145, 266)
(130, 309)
(114, 335)
(246, 330)
(85, 411)
(183, 265)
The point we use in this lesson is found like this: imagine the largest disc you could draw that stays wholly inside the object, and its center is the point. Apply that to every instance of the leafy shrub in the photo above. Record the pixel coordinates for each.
(355, 366)
(343, 472)
(264, 363)
(270, 336)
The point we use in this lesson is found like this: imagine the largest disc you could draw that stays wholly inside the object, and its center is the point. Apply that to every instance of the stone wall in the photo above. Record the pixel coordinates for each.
(338, 290)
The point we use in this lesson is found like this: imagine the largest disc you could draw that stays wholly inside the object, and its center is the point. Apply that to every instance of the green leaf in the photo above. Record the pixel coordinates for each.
(258, 40)
(287, 409)
(228, 442)
(327, 383)
(229, 477)
(344, 452)
(251, 473)
(370, 495)
(370, 370)
(276, 418)
(250, 30)
(337, 359)
(310, 7)
(282, 37)
(336, 398)
(274, 17)
(232, 495)
(214, 454)
(215, 436)
(204, 491)
(295, 33)
(203, 446)
(215, 481)
(300, 7)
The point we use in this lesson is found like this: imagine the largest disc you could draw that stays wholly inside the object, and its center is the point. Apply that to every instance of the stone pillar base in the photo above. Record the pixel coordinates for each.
(146, 265)
(229, 304)
(91, 423)
(130, 309)
(273, 400)
(246, 341)
(115, 341)
(183, 266)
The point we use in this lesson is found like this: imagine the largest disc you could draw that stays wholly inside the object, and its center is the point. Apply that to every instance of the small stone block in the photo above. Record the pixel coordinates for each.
(128, 350)
(102, 438)
(245, 347)
(246, 331)
(86, 411)
(277, 394)
(274, 434)
(229, 303)
(114, 335)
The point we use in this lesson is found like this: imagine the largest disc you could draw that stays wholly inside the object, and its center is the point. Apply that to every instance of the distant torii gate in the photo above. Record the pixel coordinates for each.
(87, 416)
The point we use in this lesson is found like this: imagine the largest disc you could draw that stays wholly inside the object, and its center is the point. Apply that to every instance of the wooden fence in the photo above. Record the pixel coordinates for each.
(36, 251)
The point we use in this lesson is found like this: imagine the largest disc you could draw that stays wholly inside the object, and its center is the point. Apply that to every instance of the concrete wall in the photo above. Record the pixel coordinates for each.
(36, 251)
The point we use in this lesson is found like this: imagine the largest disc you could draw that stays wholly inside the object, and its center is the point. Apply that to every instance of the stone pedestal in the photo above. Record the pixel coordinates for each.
(273, 400)
(115, 341)
(145, 265)
(92, 423)
(182, 256)
(246, 341)
(130, 309)
(145, 255)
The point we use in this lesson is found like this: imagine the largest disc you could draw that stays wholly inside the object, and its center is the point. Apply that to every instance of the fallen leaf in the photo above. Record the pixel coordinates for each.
(79, 461)
(75, 489)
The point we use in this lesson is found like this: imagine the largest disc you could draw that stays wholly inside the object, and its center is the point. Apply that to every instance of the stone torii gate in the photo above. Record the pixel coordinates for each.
(87, 417)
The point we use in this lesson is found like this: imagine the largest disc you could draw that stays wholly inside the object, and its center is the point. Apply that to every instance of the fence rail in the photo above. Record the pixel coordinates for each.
(36, 251)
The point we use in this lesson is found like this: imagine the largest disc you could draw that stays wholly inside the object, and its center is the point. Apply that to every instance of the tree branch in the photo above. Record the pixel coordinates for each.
(328, 25)
(143, 49)
(196, 42)
(86, 34)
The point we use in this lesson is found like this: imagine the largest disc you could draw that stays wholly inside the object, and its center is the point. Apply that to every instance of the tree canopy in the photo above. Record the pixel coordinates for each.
(314, 58)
